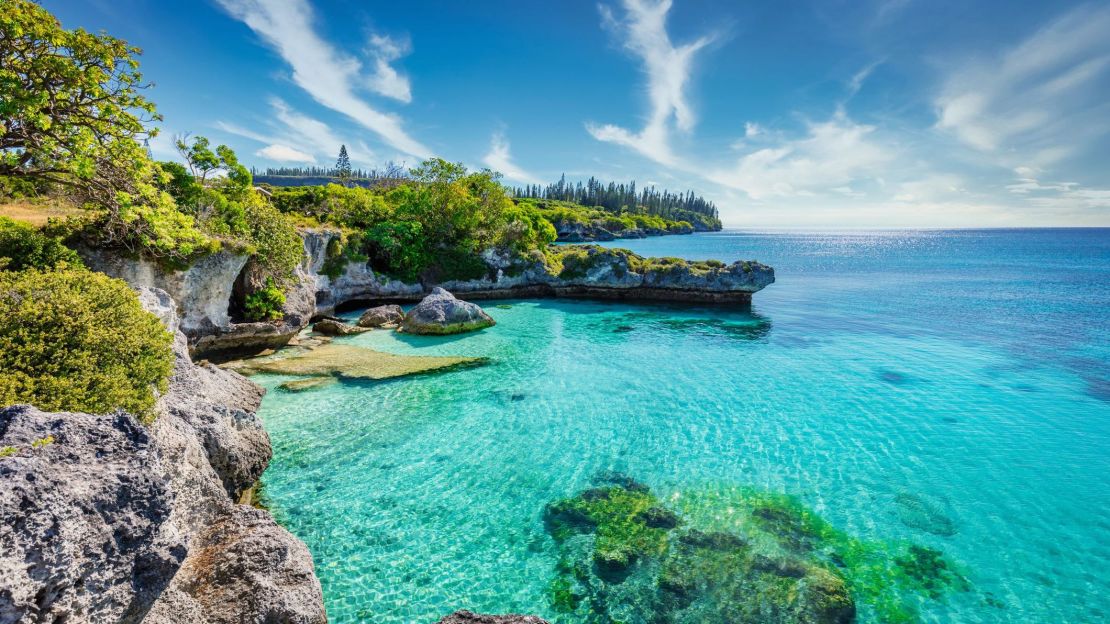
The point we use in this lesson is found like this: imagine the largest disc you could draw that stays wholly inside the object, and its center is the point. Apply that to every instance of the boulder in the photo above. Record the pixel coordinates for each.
(466, 617)
(335, 327)
(441, 313)
(82, 518)
(382, 316)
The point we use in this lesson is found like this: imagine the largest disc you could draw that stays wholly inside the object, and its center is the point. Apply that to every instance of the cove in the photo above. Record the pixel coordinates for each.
(937, 389)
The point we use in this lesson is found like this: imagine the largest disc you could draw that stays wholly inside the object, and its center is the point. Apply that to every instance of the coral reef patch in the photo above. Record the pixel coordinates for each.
(729, 554)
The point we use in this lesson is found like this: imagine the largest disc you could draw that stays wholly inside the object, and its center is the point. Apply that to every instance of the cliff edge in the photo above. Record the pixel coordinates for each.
(105, 520)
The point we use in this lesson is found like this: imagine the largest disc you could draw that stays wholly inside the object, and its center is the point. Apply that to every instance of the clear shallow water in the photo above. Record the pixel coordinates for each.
(969, 370)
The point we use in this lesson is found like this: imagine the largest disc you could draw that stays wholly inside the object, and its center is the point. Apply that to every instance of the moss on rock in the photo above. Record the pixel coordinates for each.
(739, 556)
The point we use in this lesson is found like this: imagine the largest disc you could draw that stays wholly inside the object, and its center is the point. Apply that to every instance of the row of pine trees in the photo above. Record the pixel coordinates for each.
(611, 197)
(617, 198)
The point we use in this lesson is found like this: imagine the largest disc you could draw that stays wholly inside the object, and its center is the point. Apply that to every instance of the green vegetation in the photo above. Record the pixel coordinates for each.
(736, 555)
(73, 340)
(622, 200)
(265, 304)
(23, 246)
(434, 226)
(73, 118)
(74, 124)
(8, 451)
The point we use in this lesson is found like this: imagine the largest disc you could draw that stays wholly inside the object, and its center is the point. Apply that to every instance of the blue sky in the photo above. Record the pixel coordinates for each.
(815, 113)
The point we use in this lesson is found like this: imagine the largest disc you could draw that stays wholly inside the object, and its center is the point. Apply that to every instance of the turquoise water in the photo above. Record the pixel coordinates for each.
(965, 372)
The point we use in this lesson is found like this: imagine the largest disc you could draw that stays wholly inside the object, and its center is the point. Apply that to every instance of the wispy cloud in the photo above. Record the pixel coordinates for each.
(284, 153)
(1037, 102)
(643, 31)
(499, 158)
(307, 135)
(834, 153)
(329, 76)
(386, 80)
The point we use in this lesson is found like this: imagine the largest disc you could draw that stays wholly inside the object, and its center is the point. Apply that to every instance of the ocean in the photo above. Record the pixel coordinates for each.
(948, 389)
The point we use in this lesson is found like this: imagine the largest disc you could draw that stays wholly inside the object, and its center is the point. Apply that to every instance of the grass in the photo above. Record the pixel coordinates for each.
(37, 212)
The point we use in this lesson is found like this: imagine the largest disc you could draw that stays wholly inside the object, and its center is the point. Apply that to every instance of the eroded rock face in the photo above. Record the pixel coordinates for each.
(83, 519)
(201, 292)
(104, 520)
(441, 313)
(382, 316)
(466, 617)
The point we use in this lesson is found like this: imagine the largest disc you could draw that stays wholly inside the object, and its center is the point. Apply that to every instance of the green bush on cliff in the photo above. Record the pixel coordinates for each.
(24, 246)
(74, 340)
(434, 226)
(265, 304)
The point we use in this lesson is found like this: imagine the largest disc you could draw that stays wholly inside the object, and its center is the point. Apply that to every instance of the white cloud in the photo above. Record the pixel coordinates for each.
(329, 76)
(833, 154)
(1038, 101)
(644, 33)
(284, 153)
(752, 129)
(1058, 196)
(386, 80)
(308, 135)
(500, 159)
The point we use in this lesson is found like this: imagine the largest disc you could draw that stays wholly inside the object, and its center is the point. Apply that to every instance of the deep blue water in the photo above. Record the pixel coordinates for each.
(966, 371)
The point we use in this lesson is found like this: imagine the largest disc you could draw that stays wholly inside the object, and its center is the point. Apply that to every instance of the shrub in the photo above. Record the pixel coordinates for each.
(265, 304)
(74, 340)
(23, 246)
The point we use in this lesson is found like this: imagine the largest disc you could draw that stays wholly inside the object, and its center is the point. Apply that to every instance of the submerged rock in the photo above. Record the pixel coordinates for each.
(385, 316)
(335, 327)
(300, 385)
(441, 313)
(627, 558)
(466, 617)
(728, 555)
(350, 362)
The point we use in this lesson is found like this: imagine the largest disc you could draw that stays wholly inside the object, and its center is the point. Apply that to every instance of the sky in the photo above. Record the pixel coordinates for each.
(806, 113)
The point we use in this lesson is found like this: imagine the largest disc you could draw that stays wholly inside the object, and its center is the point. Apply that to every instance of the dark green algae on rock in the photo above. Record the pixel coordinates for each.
(626, 557)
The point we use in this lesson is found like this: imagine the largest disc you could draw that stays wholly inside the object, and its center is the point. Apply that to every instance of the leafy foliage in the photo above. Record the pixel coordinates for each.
(265, 304)
(435, 226)
(72, 115)
(623, 199)
(74, 340)
(23, 246)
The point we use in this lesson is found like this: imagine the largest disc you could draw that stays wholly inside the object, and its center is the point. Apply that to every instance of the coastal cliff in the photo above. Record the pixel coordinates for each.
(105, 520)
(206, 292)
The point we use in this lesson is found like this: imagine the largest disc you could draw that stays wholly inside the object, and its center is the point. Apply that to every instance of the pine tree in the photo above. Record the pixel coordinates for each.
(343, 166)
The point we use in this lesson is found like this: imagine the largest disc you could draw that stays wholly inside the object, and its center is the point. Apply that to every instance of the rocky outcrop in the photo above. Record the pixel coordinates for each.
(385, 316)
(356, 282)
(579, 232)
(335, 327)
(466, 617)
(204, 291)
(83, 519)
(105, 520)
(567, 231)
(441, 313)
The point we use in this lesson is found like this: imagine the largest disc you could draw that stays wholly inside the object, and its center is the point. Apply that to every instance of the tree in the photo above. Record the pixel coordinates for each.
(70, 108)
(343, 166)
(71, 114)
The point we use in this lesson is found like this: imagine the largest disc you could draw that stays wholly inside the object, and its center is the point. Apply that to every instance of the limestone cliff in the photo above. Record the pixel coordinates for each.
(206, 291)
(105, 520)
